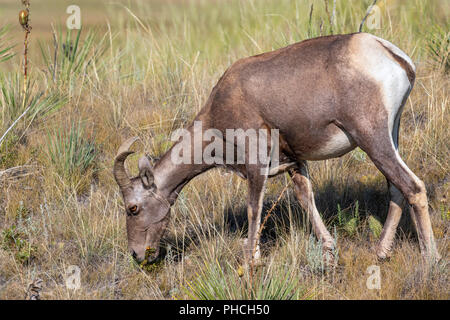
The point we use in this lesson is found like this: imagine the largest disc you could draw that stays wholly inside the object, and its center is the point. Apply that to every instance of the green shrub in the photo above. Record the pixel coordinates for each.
(223, 282)
(71, 58)
(375, 226)
(348, 220)
(20, 110)
(15, 102)
(15, 241)
(70, 153)
(315, 255)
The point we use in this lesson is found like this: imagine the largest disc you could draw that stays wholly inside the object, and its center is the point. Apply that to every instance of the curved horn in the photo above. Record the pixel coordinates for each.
(119, 171)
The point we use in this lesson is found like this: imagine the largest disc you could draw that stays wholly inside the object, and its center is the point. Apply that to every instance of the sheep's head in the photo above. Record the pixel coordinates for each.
(147, 210)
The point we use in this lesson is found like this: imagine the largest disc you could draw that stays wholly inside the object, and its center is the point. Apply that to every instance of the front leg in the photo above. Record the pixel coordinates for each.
(256, 189)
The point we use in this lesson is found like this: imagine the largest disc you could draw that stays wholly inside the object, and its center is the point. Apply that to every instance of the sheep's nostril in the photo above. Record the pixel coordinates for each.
(133, 254)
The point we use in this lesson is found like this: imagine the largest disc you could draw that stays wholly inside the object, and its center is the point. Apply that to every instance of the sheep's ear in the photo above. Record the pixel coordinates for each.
(145, 172)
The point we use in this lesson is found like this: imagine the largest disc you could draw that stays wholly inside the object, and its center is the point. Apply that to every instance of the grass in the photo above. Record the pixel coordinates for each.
(71, 154)
(15, 241)
(69, 60)
(223, 282)
(5, 51)
(439, 47)
(21, 110)
(146, 68)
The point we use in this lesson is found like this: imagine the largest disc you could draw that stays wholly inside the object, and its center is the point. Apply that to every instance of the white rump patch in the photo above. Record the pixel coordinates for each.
(378, 64)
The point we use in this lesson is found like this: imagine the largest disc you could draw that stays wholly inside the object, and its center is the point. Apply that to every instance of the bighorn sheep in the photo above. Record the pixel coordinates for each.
(325, 96)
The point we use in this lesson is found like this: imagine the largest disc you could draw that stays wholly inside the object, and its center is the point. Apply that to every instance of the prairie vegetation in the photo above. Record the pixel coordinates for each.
(146, 68)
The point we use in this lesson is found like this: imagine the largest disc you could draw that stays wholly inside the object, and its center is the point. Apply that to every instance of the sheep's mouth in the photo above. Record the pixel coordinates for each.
(152, 259)
(152, 256)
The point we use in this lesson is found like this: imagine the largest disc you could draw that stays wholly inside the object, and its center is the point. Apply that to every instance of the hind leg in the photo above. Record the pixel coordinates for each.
(390, 226)
(396, 203)
(378, 145)
(305, 195)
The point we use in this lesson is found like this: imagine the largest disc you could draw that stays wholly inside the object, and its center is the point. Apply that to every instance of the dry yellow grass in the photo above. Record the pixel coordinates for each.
(158, 64)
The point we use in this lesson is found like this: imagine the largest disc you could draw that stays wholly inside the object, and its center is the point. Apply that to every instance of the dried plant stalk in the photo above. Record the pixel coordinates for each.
(24, 19)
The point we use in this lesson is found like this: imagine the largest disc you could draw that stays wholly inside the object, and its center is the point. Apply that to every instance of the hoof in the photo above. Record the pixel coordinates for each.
(383, 255)
(384, 258)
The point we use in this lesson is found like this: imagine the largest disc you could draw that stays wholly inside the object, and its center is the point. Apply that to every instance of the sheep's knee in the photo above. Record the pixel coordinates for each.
(418, 198)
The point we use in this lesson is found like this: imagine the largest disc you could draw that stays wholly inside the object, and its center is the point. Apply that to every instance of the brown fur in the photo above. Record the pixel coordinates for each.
(313, 92)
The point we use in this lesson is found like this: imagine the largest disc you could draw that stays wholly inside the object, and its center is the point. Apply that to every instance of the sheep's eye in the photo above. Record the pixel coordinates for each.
(133, 209)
